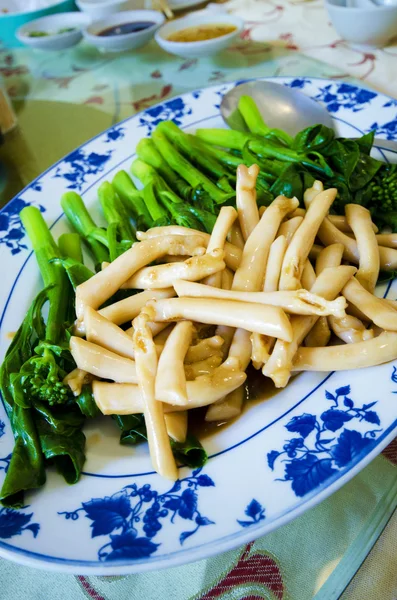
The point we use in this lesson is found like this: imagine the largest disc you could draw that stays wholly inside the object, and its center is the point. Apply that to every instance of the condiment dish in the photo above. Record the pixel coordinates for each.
(10, 22)
(97, 33)
(55, 32)
(197, 49)
(371, 26)
(98, 9)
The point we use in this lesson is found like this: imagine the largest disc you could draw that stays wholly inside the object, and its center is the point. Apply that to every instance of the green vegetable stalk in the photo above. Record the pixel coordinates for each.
(132, 199)
(115, 212)
(256, 124)
(120, 234)
(181, 165)
(95, 237)
(69, 245)
(53, 274)
(191, 149)
(160, 197)
(148, 153)
(148, 176)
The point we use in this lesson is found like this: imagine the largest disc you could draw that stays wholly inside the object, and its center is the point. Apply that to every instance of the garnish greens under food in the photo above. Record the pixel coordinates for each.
(196, 277)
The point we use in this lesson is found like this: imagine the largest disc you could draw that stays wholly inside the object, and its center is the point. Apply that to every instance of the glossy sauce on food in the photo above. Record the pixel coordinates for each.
(201, 33)
(257, 389)
(125, 28)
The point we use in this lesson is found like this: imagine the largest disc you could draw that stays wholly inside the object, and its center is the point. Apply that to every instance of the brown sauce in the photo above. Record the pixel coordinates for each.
(257, 389)
(201, 33)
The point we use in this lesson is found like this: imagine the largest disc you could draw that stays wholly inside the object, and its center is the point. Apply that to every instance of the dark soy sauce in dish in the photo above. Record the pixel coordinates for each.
(125, 28)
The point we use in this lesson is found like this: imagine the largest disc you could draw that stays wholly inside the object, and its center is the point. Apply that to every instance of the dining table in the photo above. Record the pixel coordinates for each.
(346, 546)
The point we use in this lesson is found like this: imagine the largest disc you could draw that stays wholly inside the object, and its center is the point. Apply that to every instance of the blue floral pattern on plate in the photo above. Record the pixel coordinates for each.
(4, 462)
(255, 513)
(337, 95)
(11, 230)
(77, 166)
(344, 95)
(172, 110)
(114, 133)
(137, 513)
(316, 455)
(15, 522)
(389, 130)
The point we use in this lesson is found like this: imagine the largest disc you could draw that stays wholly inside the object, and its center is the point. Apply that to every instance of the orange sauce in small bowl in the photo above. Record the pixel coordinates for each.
(201, 33)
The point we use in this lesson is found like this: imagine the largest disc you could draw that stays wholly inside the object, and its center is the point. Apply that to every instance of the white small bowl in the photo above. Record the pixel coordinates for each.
(56, 41)
(197, 49)
(128, 41)
(98, 9)
(370, 26)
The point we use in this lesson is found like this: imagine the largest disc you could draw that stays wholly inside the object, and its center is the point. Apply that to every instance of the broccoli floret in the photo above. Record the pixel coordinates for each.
(381, 197)
(42, 379)
(384, 189)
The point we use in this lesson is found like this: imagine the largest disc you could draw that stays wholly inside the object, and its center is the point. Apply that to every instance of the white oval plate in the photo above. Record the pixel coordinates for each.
(283, 456)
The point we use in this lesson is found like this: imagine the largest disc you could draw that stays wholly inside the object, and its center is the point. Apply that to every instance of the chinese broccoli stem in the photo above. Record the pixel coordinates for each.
(52, 272)
(146, 174)
(79, 217)
(132, 198)
(115, 212)
(174, 208)
(192, 175)
(186, 144)
(69, 245)
(255, 122)
(148, 153)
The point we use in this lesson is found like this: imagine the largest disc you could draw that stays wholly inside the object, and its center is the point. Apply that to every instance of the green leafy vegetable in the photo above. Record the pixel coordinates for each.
(190, 452)
(164, 205)
(148, 153)
(76, 271)
(133, 431)
(86, 402)
(40, 407)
